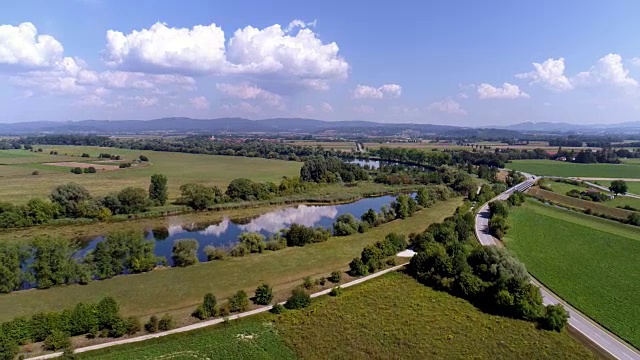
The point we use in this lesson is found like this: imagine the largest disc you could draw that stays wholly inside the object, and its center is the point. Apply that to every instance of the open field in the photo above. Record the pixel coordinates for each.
(565, 169)
(563, 188)
(633, 186)
(336, 145)
(596, 207)
(18, 185)
(410, 321)
(589, 262)
(181, 288)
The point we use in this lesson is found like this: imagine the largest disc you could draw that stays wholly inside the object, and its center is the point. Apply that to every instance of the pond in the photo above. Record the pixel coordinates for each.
(225, 233)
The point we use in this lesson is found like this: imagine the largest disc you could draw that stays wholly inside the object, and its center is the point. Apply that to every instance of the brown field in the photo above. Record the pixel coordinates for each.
(579, 203)
(73, 164)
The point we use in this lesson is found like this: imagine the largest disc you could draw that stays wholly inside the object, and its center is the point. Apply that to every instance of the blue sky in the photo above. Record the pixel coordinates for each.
(442, 62)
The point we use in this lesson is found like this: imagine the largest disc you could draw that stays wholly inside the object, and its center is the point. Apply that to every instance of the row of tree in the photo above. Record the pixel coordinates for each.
(489, 277)
(499, 213)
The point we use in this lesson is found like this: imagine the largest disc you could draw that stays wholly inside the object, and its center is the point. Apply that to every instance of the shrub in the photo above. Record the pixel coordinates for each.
(239, 302)
(76, 170)
(85, 155)
(224, 310)
(307, 282)
(133, 325)
(335, 276)
(239, 251)
(35, 172)
(124, 165)
(554, 318)
(253, 241)
(158, 189)
(336, 291)
(209, 304)
(358, 268)
(321, 281)
(264, 294)
(165, 323)
(90, 170)
(214, 253)
(8, 348)
(152, 325)
(57, 340)
(185, 252)
(277, 309)
(200, 313)
(143, 158)
(299, 299)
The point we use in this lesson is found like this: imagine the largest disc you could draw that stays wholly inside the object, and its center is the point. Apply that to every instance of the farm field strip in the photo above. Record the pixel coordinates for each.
(589, 262)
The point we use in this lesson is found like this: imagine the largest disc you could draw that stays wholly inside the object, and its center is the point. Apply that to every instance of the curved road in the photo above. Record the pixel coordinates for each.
(600, 337)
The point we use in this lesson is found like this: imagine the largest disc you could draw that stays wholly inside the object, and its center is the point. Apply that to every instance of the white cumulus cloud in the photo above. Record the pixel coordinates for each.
(200, 49)
(247, 91)
(447, 106)
(384, 91)
(550, 73)
(326, 107)
(506, 91)
(608, 70)
(199, 103)
(23, 47)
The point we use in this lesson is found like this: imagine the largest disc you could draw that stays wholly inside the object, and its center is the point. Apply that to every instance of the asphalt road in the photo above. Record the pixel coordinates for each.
(577, 321)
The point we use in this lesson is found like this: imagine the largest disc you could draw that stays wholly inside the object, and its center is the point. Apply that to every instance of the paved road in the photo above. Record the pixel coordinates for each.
(579, 322)
(209, 322)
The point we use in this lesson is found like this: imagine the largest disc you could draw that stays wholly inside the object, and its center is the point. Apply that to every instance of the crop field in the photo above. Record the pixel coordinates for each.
(172, 289)
(410, 321)
(17, 185)
(565, 169)
(590, 262)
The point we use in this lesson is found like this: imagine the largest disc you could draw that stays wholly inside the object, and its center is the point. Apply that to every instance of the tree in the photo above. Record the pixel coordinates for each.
(264, 294)
(9, 348)
(58, 339)
(53, 262)
(499, 208)
(165, 323)
(13, 258)
(158, 189)
(401, 207)
(239, 302)
(618, 187)
(133, 200)
(214, 253)
(69, 197)
(209, 304)
(253, 241)
(185, 252)
(241, 189)
(370, 217)
(299, 299)
(40, 211)
(197, 196)
(345, 224)
(498, 226)
(422, 197)
(152, 325)
(555, 317)
(358, 268)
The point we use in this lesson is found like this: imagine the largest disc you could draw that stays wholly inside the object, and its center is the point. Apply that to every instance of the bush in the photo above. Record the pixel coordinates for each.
(152, 325)
(57, 340)
(307, 282)
(358, 268)
(90, 170)
(253, 241)
(299, 299)
(165, 323)
(8, 348)
(239, 251)
(185, 252)
(214, 253)
(76, 170)
(208, 308)
(239, 302)
(336, 291)
(277, 309)
(335, 276)
(321, 281)
(35, 172)
(554, 318)
(133, 325)
(143, 158)
(124, 165)
(264, 294)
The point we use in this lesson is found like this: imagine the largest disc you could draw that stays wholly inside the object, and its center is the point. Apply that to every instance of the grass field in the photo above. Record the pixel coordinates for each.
(590, 262)
(391, 317)
(562, 189)
(633, 186)
(18, 185)
(607, 208)
(181, 288)
(564, 169)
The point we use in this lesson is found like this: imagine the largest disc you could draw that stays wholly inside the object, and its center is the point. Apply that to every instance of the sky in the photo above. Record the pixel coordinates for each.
(471, 63)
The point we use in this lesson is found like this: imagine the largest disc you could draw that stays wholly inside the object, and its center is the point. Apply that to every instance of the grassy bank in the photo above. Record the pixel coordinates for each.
(589, 262)
(329, 194)
(565, 169)
(17, 185)
(178, 288)
(391, 317)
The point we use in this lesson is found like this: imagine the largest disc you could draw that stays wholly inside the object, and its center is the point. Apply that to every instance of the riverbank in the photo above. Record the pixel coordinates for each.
(180, 289)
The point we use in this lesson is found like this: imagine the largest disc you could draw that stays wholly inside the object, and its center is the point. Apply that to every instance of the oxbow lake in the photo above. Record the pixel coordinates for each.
(225, 233)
